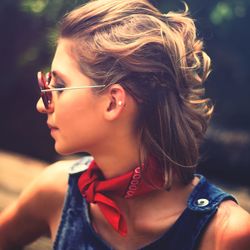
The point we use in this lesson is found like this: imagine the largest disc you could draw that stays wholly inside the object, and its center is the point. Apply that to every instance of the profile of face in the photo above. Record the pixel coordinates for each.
(80, 119)
(74, 116)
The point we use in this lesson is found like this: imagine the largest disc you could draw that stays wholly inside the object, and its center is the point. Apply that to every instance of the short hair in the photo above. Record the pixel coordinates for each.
(160, 61)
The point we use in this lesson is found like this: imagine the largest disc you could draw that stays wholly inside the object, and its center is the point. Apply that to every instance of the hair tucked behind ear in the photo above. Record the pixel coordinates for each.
(160, 61)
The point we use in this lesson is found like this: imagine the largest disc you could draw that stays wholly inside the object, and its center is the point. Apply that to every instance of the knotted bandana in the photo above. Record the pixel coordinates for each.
(96, 189)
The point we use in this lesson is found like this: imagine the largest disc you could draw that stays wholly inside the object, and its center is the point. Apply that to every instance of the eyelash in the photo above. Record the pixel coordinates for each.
(58, 86)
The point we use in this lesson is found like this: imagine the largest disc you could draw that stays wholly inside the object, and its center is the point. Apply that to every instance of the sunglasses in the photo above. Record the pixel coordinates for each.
(44, 82)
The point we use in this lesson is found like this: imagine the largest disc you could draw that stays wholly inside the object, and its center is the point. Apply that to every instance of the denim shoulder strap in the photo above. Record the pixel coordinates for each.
(75, 231)
(202, 205)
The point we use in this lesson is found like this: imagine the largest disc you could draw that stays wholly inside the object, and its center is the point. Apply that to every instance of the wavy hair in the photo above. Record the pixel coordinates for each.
(159, 60)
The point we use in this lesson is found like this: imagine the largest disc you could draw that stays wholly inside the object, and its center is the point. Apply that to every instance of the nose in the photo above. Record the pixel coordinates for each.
(41, 108)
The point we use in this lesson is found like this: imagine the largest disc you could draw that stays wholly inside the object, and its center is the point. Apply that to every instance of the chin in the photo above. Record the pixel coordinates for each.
(66, 150)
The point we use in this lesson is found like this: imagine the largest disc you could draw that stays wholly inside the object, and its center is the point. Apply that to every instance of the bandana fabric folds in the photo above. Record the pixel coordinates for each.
(96, 189)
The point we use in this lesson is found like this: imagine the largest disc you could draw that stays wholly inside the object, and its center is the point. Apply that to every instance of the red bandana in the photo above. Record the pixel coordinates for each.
(96, 189)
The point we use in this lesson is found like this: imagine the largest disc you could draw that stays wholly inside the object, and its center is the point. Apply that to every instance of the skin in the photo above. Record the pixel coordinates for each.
(82, 121)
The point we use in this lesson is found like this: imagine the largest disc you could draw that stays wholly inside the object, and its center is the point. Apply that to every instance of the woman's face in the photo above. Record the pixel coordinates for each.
(75, 117)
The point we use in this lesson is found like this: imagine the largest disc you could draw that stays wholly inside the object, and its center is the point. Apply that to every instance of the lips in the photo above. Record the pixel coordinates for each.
(51, 127)
(53, 130)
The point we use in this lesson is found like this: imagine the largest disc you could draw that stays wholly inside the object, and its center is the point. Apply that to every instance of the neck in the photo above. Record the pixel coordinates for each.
(133, 208)
(118, 157)
(117, 163)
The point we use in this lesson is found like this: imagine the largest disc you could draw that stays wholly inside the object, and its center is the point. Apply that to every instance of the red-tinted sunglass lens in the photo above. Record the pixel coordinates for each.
(46, 96)
(45, 100)
(48, 78)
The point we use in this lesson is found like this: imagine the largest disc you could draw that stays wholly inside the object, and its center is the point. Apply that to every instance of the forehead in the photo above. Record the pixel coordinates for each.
(64, 59)
(66, 65)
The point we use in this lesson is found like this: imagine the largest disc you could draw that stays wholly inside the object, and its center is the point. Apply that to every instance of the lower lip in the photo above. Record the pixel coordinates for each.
(53, 131)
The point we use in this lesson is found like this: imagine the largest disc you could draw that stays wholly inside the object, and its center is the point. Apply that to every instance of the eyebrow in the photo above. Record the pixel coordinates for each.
(58, 75)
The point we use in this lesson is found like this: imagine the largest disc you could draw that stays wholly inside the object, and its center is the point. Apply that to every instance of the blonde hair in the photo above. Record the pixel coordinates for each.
(160, 61)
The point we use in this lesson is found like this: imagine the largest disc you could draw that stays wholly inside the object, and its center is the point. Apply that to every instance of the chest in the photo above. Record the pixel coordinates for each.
(84, 229)
(141, 232)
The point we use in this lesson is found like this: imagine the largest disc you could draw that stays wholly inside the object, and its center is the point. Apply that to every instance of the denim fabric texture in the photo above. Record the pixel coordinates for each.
(76, 232)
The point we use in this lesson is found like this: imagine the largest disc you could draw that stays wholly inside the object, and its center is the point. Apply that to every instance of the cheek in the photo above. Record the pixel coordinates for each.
(79, 120)
(71, 110)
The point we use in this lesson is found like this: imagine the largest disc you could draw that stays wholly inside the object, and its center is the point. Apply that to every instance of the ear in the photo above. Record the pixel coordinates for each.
(116, 100)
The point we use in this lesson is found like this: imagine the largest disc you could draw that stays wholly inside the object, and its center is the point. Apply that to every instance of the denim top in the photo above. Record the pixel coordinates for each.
(76, 232)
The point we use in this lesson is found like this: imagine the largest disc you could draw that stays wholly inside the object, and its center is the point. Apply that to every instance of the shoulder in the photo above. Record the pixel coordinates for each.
(51, 185)
(36, 212)
(52, 178)
(233, 227)
(48, 188)
(44, 196)
(229, 229)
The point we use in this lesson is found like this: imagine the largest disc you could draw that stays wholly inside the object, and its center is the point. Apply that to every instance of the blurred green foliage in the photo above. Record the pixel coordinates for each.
(28, 40)
(226, 11)
(34, 6)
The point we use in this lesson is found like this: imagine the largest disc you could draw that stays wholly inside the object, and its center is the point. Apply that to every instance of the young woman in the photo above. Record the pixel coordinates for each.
(126, 86)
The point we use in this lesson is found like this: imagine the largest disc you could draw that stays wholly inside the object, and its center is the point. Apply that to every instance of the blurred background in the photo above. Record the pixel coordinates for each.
(28, 32)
